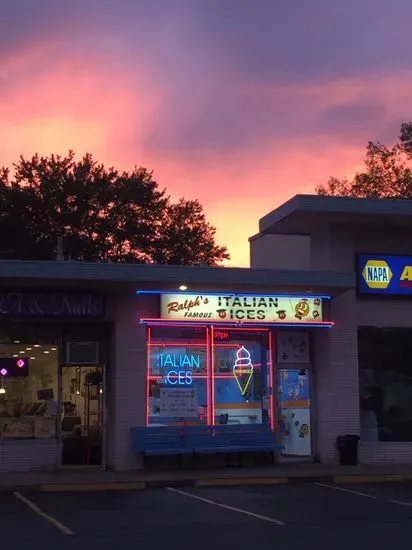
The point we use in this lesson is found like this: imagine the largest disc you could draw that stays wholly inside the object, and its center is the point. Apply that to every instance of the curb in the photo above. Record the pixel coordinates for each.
(120, 486)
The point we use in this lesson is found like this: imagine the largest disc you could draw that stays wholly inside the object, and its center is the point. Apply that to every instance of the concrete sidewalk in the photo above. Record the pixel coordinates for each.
(97, 480)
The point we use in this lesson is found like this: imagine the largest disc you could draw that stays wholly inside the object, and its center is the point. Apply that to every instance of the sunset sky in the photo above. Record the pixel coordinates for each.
(239, 103)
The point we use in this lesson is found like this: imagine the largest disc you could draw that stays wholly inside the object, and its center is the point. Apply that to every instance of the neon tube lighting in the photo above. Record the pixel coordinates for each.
(212, 368)
(166, 322)
(148, 358)
(189, 345)
(209, 293)
(209, 401)
(271, 384)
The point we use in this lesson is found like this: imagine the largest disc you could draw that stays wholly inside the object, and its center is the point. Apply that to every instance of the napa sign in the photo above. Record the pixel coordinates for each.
(384, 275)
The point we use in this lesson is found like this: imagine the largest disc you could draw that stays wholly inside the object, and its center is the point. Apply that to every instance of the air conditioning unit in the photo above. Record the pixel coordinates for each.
(82, 353)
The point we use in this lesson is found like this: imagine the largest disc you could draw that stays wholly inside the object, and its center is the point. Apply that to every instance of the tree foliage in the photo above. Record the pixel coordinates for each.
(387, 172)
(102, 214)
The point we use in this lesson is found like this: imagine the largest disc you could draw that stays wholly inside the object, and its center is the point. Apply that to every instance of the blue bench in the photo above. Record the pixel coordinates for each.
(238, 438)
(198, 440)
(159, 440)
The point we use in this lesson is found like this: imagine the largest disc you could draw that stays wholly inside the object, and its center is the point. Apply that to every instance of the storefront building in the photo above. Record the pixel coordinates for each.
(88, 351)
(364, 376)
(313, 340)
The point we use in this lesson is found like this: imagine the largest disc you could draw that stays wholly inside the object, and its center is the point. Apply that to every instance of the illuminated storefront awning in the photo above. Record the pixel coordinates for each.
(241, 309)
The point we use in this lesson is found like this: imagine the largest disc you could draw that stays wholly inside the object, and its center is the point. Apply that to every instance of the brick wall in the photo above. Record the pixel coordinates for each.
(29, 454)
(336, 356)
(336, 379)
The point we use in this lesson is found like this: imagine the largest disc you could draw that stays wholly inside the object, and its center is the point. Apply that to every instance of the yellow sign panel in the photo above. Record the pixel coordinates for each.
(406, 273)
(377, 274)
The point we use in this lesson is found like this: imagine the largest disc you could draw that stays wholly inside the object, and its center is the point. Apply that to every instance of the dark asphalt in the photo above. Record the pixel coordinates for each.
(314, 516)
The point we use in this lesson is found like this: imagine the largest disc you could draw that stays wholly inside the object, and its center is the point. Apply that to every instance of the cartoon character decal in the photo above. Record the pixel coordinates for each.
(302, 309)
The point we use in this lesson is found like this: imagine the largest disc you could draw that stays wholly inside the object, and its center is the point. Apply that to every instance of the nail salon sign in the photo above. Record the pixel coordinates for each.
(241, 308)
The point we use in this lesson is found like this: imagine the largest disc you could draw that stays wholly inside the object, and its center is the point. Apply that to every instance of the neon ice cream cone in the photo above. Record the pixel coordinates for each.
(243, 369)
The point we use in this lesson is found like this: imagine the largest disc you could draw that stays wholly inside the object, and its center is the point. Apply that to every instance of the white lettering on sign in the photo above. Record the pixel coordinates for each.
(259, 309)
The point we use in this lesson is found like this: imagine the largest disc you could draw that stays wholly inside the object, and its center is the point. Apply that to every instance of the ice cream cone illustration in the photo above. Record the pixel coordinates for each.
(243, 369)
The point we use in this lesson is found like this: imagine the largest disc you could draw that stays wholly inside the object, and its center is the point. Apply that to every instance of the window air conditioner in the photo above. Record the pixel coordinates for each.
(82, 353)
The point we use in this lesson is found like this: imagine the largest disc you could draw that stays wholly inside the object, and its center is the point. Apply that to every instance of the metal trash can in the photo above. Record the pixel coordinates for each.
(348, 449)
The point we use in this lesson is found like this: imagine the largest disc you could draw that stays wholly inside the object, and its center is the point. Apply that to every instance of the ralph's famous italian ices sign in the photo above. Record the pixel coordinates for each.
(235, 308)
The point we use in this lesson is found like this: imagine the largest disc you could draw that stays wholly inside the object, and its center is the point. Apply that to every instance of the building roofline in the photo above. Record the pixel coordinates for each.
(23, 271)
(333, 205)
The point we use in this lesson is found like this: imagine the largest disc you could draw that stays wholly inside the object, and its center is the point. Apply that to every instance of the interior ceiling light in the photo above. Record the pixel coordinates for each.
(36, 345)
(183, 287)
(32, 358)
(15, 355)
(46, 351)
(28, 349)
(2, 391)
(21, 351)
(53, 349)
(16, 341)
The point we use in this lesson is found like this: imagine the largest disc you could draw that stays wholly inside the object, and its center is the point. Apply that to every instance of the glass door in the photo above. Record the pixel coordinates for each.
(83, 415)
(294, 410)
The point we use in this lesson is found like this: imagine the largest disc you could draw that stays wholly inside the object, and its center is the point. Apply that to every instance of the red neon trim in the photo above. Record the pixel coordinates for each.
(148, 376)
(195, 376)
(189, 345)
(247, 329)
(208, 392)
(271, 384)
(179, 345)
(212, 346)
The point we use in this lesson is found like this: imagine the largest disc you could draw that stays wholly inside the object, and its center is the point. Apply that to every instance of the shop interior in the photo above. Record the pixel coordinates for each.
(385, 383)
(28, 399)
(30, 403)
(82, 415)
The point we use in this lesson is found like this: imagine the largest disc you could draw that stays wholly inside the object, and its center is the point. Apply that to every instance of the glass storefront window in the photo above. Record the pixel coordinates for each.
(177, 381)
(385, 383)
(28, 390)
(204, 375)
(241, 377)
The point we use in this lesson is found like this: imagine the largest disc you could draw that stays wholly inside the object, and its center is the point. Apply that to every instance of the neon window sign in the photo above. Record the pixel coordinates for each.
(177, 363)
(179, 367)
(243, 369)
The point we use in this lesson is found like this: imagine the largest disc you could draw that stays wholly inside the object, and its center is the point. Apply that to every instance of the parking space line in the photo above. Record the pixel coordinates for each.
(336, 488)
(401, 502)
(232, 508)
(62, 528)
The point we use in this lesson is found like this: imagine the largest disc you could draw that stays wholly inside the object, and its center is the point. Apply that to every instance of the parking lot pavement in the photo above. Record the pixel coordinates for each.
(342, 517)
(20, 527)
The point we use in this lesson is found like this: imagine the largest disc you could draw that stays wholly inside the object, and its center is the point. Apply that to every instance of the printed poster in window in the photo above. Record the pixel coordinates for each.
(293, 348)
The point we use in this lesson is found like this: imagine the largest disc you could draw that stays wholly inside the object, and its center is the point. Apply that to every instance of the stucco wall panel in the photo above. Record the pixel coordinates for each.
(128, 397)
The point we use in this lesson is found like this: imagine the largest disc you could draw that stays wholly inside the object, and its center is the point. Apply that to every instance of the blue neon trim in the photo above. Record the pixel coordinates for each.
(208, 293)
(239, 325)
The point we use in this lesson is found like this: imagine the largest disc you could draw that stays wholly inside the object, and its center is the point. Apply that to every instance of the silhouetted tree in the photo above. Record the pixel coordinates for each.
(102, 214)
(387, 172)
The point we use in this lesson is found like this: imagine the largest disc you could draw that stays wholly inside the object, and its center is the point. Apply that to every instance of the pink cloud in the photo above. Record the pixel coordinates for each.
(95, 104)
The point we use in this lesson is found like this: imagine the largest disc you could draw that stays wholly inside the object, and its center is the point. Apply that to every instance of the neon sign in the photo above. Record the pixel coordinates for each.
(181, 366)
(243, 369)
(179, 361)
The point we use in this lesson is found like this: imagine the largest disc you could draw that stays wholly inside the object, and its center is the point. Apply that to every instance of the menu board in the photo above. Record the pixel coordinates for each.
(178, 402)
